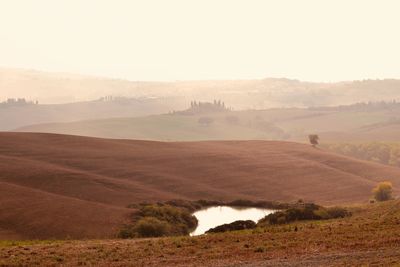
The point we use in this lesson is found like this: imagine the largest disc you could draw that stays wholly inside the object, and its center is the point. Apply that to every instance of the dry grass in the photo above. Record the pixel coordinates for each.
(370, 235)
(59, 186)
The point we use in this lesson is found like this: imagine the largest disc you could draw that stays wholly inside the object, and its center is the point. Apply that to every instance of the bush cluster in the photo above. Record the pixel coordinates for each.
(383, 191)
(154, 220)
(234, 226)
(259, 204)
(203, 203)
(175, 217)
(304, 212)
(382, 152)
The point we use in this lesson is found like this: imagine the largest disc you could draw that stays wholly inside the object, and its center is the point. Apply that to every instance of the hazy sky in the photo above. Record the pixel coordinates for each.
(313, 40)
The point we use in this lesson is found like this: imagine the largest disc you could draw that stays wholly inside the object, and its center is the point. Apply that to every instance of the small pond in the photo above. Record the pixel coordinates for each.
(218, 215)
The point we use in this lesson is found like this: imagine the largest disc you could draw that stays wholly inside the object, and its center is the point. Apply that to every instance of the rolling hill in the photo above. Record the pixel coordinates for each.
(50, 183)
(68, 97)
(14, 116)
(51, 88)
(360, 122)
(165, 127)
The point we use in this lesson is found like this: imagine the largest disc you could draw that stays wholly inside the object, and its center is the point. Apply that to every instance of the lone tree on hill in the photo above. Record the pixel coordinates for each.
(383, 191)
(313, 139)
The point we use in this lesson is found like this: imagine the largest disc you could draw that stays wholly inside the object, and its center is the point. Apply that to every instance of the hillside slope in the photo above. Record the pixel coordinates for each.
(360, 122)
(370, 237)
(67, 97)
(166, 127)
(50, 183)
(14, 116)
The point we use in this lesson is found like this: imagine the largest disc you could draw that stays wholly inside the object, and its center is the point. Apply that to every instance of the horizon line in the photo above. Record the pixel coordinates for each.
(111, 77)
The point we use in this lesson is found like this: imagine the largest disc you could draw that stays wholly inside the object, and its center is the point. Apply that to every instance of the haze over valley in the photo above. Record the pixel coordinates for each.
(199, 133)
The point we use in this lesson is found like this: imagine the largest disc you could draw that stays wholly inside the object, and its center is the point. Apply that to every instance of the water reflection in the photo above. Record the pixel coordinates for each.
(214, 216)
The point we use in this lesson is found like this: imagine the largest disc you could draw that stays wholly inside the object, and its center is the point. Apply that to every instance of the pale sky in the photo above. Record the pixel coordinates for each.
(312, 40)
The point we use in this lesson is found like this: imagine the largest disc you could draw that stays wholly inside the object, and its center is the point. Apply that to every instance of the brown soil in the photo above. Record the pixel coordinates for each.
(369, 238)
(59, 186)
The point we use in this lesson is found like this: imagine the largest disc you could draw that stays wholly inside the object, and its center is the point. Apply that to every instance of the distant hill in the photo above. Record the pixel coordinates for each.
(14, 116)
(377, 121)
(76, 95)
(70, 186)
(169, 127)
(202, 121)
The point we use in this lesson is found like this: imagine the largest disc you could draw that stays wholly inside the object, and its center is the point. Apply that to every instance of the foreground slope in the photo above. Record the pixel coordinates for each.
(60, 186)
(370, 237)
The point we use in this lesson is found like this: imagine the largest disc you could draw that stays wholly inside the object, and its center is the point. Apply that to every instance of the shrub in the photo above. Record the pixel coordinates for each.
(382, 152)
(322, 214)
(304, 212)
(242, 203)
(151, 227)
(172, 215)
(383, 191)
(313, 138)
(185, 204)
(208, 203)
(153, 220)
(126, 232)
(338, 212)
(258, 204)
(234, 226)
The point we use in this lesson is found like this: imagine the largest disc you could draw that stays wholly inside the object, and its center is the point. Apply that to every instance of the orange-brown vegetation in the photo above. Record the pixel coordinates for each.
(369, 237)
(59, 186)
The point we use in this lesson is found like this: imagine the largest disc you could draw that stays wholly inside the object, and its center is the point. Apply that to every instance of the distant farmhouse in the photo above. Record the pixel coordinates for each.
(18, 102)
(204, 107)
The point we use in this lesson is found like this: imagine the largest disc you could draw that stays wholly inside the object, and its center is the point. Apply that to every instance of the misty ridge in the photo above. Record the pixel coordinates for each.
(30, 97)
(58, 88)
